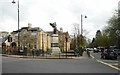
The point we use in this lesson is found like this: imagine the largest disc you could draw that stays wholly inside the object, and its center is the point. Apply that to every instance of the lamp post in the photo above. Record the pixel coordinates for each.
(18, 25)
(82, 23)
(82, 28)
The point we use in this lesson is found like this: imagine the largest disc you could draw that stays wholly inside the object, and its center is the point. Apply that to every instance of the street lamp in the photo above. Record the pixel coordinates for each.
(82, 23)
(18, 24)
(82, 29)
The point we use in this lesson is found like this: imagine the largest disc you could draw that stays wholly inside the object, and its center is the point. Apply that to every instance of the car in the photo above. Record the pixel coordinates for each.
(109, 54)
(100, 49)
(117, 51)
(89, 49)
(95, 50)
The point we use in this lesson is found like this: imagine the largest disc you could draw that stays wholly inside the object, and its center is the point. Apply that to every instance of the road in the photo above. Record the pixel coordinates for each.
(23, 65)
(115, 63)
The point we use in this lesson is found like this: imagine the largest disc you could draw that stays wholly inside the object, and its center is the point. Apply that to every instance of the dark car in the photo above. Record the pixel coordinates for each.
(109, 54)
(117, 51)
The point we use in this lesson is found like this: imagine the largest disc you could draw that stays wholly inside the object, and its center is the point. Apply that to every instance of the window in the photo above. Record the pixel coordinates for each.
(54, 44)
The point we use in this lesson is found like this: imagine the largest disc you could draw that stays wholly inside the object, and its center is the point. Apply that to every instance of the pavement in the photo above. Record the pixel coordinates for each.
(85, 56)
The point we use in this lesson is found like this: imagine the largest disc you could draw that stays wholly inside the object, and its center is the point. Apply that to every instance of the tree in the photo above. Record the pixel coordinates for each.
(75, 30)
(98, 38)
(79, 40)
(110, 35)
(111, 30)
(88, 43)
(101, 39)
(72, 44)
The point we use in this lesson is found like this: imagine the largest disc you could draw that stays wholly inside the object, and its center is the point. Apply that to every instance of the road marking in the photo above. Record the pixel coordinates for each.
(109, 65)
(92, 56)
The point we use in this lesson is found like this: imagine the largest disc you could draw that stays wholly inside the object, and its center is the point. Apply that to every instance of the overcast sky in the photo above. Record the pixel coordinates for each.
(64, 12)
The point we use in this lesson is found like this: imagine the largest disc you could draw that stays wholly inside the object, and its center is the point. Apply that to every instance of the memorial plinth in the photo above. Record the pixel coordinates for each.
(54, 44)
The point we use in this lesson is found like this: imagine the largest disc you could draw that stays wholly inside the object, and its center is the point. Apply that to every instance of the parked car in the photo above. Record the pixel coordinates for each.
(89, 49)
(109, 54)
(100, 49)
(95, 50)
(117, 51)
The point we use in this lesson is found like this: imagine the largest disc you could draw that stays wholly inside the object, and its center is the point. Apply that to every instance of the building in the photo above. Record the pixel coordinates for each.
(3, 36)
(4, 41)
(64, 41)
(35, 38)
(32, 38)
(39, 39)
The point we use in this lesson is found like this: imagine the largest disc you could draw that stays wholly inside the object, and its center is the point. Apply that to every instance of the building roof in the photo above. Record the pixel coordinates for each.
(49, 32)
(27, 28)
(24, 27)
(35, 29)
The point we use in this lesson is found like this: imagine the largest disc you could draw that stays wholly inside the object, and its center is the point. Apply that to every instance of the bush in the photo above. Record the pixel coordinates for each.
(49, 51)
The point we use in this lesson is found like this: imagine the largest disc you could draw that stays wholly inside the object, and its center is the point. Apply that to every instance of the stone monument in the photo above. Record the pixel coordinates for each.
(54, 43)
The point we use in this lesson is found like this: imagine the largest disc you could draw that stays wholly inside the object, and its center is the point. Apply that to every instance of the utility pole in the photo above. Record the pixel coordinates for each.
(81, 25)
(18, 25)
(82, 29)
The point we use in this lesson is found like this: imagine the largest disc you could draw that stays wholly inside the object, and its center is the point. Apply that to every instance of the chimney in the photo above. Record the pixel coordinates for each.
(61, 29)
(29, 25)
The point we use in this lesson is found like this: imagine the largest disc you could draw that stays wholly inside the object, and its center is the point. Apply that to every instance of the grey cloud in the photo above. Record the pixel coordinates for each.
(6, 11)
(55, 9)
(9, 10)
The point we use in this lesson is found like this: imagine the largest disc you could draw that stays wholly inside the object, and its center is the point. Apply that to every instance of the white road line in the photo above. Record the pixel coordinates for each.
(92, 56)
